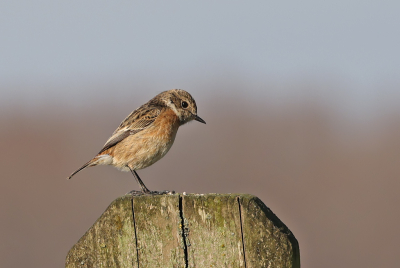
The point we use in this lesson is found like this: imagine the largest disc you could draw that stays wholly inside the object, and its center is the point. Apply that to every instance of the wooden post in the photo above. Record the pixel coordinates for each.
(195, 230)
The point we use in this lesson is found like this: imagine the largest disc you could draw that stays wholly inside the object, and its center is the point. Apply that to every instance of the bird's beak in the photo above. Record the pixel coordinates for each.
(197, 118)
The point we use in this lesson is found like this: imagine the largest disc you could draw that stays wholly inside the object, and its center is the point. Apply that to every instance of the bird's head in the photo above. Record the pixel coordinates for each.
(182, 103)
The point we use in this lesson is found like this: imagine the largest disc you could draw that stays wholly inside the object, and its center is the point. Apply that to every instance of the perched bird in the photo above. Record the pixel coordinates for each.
(147, 134)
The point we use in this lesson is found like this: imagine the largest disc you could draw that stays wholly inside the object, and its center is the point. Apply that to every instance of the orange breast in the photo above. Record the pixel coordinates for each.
(147, 146)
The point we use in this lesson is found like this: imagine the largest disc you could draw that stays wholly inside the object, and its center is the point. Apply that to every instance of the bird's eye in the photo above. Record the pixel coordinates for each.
(184, 104)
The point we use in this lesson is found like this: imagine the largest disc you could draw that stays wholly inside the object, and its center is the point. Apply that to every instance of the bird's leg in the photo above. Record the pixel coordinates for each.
(145, 190)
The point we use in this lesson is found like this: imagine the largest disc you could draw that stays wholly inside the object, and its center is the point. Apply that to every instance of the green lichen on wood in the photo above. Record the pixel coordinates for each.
(212, 230)
(158, 229)
(267, 241)
(110, 242)
(214, 233)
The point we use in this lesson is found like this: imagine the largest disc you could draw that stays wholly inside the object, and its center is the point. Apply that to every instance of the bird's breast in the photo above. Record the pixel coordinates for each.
(161, 135)
(149, 145)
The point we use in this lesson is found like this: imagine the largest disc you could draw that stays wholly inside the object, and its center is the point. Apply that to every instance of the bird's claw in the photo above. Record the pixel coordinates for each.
(140, 193)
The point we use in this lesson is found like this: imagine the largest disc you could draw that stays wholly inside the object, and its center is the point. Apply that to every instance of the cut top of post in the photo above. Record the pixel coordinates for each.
(195, 230)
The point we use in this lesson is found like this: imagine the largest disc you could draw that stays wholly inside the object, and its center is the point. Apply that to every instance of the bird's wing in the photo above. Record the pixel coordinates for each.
(137, 121)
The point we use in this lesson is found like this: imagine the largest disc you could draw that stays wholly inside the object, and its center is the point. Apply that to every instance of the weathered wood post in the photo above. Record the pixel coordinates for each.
(195, 230)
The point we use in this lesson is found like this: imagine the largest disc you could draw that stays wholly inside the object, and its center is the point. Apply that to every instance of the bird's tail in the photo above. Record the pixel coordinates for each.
(103, 159)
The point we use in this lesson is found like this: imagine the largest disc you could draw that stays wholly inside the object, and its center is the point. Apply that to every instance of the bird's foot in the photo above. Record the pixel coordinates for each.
(136, 193)
(139, 193)
(161, 192)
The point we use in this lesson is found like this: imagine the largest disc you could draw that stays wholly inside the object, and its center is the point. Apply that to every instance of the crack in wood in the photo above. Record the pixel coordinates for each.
(184, 233)
(161, 234)
(134, 228)
(241, 230)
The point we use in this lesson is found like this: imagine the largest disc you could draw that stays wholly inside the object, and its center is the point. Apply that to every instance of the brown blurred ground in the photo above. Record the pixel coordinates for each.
(333, 183)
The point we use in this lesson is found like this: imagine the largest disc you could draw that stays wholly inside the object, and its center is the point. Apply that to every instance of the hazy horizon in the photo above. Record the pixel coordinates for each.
(301, 100)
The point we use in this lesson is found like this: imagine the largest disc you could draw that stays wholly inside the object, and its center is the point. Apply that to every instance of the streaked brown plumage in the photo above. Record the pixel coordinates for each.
(147, 134)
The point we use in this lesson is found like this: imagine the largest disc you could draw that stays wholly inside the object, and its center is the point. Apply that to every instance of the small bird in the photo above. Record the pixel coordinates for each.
(147, 134)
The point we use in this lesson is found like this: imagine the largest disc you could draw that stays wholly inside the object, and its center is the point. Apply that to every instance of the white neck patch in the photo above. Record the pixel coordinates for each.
(173, 107)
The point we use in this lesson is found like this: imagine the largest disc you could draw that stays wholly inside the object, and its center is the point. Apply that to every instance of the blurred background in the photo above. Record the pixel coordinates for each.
(301, 101)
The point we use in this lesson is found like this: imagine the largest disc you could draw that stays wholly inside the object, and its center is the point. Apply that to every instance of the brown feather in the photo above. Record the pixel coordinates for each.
(137, 121)
(147, 134)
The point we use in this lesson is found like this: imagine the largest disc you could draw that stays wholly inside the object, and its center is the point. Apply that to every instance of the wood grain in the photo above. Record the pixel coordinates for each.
(195, 230)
